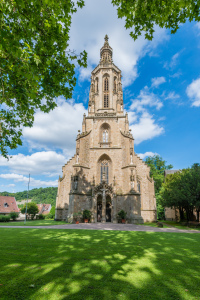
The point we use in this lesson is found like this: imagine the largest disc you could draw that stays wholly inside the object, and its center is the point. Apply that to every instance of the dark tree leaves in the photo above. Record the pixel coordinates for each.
(35, 63)
(144, 15)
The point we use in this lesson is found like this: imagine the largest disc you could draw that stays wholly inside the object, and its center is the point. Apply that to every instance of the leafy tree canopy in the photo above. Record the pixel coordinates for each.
(182, 190)
(144, 15)
(32, 209)
(41, 195)
(157, 166)
(35, 63)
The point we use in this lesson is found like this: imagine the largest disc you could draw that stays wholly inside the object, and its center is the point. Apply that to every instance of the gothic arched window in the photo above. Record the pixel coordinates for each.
(105, 136)
(97, 85)
(115, 85)
(104, 170)
(106, 101)
(138, 186)
(106, 84)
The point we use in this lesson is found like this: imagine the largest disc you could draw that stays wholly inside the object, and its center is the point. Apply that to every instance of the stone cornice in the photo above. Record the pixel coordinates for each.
(129, 166)
(109, 66)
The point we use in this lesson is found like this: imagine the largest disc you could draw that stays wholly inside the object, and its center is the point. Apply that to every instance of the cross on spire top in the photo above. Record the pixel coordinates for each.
(106, 38)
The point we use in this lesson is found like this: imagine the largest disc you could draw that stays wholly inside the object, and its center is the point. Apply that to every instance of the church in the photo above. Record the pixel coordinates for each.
(105, 175)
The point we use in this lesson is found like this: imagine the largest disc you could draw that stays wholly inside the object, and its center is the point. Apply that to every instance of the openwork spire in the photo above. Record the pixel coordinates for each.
(106, 51)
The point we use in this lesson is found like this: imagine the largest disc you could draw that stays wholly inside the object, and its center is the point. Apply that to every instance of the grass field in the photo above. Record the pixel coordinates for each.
(179, 226)
(33, 223)
(89, 264)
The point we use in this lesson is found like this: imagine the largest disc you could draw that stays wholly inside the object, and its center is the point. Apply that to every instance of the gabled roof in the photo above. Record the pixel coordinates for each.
(8, 204)
(44, 208)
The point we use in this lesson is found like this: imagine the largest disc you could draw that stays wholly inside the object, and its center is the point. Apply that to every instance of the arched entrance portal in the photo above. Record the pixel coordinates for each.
(108, 208)
(99, 208)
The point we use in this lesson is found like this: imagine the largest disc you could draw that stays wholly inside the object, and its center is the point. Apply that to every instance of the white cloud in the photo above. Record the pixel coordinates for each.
(57, 129)
(146, 154)
(40, 163)
(172, 96)
(173, 62)
(198, 25)
(144, 99)
(145, 129)
(24, 179)
(157, 81)
(89, 26)
(193, 92)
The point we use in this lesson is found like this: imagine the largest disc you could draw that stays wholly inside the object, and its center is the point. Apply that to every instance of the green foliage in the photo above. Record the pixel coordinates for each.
(13, 215)
(41, 217)
(49, 216)
(86, 214)
(53, 211)
(32, 209)
(182, 190)
(143, 15)
(4, 218)
(40, 195)
(122, 214)
(157, 168)
(36, 65)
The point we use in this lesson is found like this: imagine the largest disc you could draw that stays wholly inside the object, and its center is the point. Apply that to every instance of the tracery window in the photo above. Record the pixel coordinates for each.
(138, 186)
(97, 85)
(105, 136)
(115, 84)
(106, 84)
(104, 170)
(106, 101)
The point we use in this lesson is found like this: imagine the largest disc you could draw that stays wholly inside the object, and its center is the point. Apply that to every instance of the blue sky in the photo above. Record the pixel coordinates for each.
(161, 85)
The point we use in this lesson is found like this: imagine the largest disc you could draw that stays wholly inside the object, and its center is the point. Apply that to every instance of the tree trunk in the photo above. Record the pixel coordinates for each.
(181, 213)
(197, 215)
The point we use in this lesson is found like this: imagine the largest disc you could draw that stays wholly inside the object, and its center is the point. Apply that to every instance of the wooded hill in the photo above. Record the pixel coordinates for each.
(41, 195)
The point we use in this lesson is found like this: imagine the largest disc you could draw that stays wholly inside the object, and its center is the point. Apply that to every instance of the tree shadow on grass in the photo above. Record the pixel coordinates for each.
(87, 264)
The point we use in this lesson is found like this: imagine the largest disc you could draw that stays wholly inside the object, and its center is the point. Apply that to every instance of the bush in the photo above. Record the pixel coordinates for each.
(86, 214)
(4, 218)
(53, 211)
(13, 215)
(49, 216)
(122, 214)
(41, 217)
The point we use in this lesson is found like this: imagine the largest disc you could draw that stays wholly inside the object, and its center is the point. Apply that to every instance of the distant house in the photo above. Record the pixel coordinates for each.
(44, 208)
(8, 205)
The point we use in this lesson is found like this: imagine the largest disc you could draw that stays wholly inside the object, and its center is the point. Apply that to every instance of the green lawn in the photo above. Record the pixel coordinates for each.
(88, 264)
(153, 224)
(33, 223)
(178, 225)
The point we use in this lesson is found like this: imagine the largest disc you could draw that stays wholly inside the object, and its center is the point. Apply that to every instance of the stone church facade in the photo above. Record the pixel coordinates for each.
(105, 175)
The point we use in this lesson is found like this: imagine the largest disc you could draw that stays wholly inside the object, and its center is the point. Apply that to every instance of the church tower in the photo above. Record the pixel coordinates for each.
(105, 175)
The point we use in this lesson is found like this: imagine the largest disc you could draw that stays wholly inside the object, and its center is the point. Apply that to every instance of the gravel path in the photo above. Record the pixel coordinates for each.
(107, 226)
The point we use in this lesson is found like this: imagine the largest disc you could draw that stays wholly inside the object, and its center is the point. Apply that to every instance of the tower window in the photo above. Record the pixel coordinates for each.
(105, 136)
(104, 170)
(97, 85)
(106, 85)
(106, 98)
(115, 84)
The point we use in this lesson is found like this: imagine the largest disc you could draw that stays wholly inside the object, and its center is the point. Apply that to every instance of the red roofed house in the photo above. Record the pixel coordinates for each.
(8, 205)
(44, 208)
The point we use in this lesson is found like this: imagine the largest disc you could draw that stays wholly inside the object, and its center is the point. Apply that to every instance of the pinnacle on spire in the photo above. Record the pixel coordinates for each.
(106, 51)
(106, 38)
